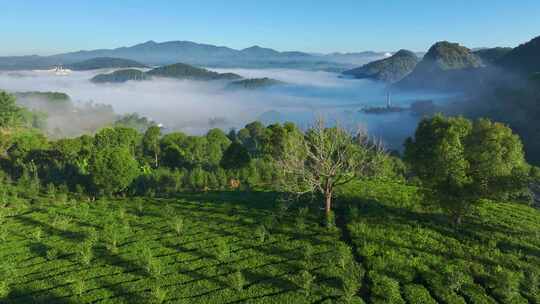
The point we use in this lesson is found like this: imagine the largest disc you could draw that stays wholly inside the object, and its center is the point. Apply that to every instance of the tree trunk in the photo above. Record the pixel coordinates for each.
(327, 202)
(156, 159)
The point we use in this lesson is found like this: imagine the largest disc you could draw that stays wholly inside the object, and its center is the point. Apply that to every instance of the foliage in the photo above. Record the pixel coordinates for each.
(10, 113)
(463, 162)
(113, 169)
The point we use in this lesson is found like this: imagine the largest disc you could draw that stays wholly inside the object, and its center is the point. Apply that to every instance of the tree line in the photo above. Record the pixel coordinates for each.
(456, 162)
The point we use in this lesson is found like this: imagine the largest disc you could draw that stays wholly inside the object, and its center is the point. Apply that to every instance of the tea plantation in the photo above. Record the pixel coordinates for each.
(238, 247)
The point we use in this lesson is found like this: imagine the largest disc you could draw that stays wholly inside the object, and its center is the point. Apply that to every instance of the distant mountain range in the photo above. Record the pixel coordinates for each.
(156, 54)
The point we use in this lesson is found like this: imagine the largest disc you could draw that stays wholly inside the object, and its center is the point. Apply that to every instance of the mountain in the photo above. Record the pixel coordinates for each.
(185, 71)
(156, 54)
(447, 67)
(121, 76)
(490, 56)
(105, 63)
(390, 69)
(523, 59)
(254, 83)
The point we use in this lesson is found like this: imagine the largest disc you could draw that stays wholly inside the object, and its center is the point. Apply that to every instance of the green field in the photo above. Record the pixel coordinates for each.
(237, 247)
(196, 249)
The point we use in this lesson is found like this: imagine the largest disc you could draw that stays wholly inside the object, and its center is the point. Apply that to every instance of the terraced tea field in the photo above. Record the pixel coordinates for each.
(411, 256)
(196, 249)
(246, 248)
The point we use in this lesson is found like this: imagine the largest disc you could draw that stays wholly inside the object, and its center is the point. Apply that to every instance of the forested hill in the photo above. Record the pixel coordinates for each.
(105, 63)
(523, 59)
(390, 69)
(446, 66)
(491, 56)
(121, 76)
(185, 71)
(176, 71)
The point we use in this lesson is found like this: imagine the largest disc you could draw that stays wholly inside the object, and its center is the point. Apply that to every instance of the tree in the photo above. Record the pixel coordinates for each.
(324, 158)
(10, 113)
(461, 162)
(235, 157)
(151, 145)
(113, 169)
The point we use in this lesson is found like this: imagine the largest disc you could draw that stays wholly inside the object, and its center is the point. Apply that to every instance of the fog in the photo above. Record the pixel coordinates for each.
(196, 106)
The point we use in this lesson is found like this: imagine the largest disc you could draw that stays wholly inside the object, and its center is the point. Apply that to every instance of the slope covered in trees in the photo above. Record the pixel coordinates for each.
(390, 69)
(446, 66)
(185, 71)
(491, 56)
(523, 59)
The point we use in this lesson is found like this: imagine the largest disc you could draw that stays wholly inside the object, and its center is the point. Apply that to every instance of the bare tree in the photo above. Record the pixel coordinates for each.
(322, 159)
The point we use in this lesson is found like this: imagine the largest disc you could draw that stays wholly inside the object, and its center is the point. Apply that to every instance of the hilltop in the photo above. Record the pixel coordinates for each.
(490, 56)
(186, 71)
(390, 69)
(446, 66)
(524, 58)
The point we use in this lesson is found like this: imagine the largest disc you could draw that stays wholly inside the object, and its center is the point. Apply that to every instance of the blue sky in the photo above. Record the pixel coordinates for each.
(48, 27)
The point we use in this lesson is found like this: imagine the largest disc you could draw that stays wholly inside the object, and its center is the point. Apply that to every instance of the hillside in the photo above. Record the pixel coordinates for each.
(490, 56)
(104, 63)
(523, 59)
(254, 83)
(185, 71)
(446, 66)
(121, 76)
(390, 69)
(238, 246)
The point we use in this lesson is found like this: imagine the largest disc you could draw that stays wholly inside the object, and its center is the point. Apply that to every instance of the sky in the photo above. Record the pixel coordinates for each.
(56, 26)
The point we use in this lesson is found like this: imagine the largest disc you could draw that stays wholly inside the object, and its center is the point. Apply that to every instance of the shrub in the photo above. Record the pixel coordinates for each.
(85, 253)
(417, 294)
(454, 277)
(177, 225)
(385, 289)
(222, 249)
(51, 254)
(158, 295)
(304, 280)
(260, 234)
(343, 255)
(237, 280)
(36, 234)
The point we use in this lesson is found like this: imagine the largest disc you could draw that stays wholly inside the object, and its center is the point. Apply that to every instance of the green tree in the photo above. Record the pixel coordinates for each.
(235, 157)
(151, 144)
(113, 169)
(10, 113)
(462, 162)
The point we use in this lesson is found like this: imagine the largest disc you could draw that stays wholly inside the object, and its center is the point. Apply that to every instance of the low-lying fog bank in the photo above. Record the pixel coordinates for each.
(196, 106)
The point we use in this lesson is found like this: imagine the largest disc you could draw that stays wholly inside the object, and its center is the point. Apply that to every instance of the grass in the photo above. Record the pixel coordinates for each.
(412, 255)
(211, 248)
